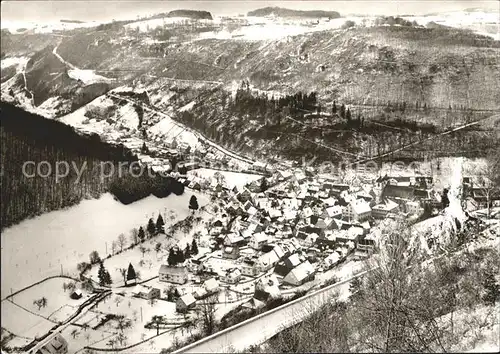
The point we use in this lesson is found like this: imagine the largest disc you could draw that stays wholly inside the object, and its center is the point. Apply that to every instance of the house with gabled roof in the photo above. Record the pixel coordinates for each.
(327, 239)
(338, 224)
(249, 267)
(56, 345)
(211, 285)
(185, 302)
(307, 212)
(380, 211)
(301, 274)
(171, 274)
(232, 275)
(245, 195)
(258, 240)
(331, 260)
(333, 212)
(266, 288)
(234, 239)
(253, 304)
(358, 210)
(284, 175)
(267, 260)
(287, 264)
(354, 234)
(231, 252)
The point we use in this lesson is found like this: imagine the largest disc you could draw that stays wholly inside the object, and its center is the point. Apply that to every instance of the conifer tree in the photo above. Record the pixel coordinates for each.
(131, 274)
(194, 248)
(180, 256)
(101, 274)
(171, 260)
(107, 278)
(159, 224)
(193, 203)
(348, 115)
(141, 234)
(151, 227)
(263, 185)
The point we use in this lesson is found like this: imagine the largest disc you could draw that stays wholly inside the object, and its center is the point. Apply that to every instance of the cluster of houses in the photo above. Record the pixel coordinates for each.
(302, 224)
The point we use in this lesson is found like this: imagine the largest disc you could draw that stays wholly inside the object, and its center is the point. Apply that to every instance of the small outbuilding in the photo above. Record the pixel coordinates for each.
(76, 295)
(184, 303)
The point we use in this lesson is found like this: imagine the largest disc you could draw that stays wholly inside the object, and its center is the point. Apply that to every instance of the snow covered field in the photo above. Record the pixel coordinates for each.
(272, 29)
(42, 246)
(168, 129)
(148, 25)
(21, 317)
(481, 22)
(22, 324)
(19, 62)
(87, 76)
(46, 27)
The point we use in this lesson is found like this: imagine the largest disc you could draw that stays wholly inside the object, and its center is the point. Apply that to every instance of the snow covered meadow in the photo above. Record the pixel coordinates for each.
(55, 241)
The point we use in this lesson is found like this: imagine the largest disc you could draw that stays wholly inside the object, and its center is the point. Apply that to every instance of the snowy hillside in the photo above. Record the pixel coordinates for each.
(479, 21)
(45, 27)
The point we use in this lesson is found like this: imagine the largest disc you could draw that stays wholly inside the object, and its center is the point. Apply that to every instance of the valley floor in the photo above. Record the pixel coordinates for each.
(55, 242)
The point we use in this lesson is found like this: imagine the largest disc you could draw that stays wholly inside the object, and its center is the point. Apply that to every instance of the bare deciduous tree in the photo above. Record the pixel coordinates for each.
(134, 236)
(122, 241)
(206, 313)
(489, 179)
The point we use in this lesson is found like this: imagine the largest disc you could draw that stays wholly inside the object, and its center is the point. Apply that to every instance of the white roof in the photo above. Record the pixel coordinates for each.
(332, 258)
(307, 212)
(211, 284)
(275, 213)
(360, 207)
(300, 272)
(188, 299)
(260, 237)
(290, 214)
(312, 237)
(389, 205)
(285, 174)
(268, 258)
(334, 210)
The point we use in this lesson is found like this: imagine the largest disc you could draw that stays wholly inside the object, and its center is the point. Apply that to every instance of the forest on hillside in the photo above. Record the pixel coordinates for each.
(282, 12)
(306, 124)
(32, 148)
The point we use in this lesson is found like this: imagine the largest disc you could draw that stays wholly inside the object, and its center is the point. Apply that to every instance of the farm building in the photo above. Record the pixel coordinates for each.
(154, 293)
(185, 303)
(300, 274)
(177, 275)
(56, 345)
